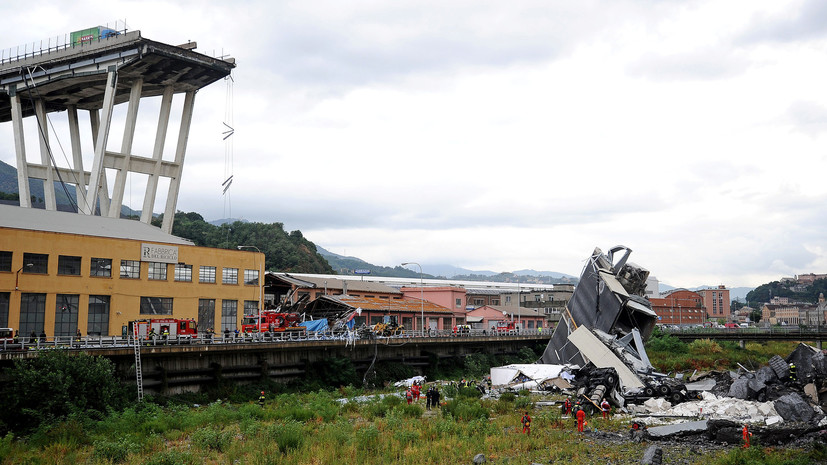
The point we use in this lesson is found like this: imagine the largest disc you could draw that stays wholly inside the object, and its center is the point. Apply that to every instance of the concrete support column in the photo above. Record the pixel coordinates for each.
(126, 149)
(77, 160)
(818, 344)
(97, 182)
(180, 152)
(45, 155)
(20, 150)
(157, 156)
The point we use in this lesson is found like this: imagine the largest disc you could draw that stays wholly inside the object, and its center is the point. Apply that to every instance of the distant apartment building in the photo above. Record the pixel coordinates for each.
(679, 307)
(809, 278)
(716, 301)
(784, 311)
(652, 288)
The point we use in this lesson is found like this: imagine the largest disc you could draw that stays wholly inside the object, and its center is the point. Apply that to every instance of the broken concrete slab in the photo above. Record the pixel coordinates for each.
(702, 385)
(793, 407)
(652, 456)
(739, 389)
(690, 427)
(766, 375)
(779, 366)
(811, 392)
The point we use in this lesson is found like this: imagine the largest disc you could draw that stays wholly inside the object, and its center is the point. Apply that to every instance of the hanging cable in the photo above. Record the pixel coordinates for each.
(228, 149)
(43, 136)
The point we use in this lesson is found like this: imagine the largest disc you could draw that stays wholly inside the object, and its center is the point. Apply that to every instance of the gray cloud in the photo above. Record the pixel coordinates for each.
(808, 117)
(808, 22)
(707, 64)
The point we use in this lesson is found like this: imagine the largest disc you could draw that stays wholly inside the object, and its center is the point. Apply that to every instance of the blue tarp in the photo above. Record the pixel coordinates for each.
(316, 325)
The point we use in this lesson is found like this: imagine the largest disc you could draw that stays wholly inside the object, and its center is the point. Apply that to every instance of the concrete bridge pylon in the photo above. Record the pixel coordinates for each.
(96, 76)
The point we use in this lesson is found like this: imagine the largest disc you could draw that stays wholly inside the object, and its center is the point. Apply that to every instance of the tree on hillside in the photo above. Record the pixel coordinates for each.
(289, 252)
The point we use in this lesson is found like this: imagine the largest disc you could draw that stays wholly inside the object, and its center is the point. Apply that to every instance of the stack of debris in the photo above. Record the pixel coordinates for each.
(603, 331)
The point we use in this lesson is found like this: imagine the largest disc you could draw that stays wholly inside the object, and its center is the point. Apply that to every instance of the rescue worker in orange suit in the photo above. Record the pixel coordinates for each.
(581, 419)
(746, 435)
(606, 408)
(526, 421)
(567, 406)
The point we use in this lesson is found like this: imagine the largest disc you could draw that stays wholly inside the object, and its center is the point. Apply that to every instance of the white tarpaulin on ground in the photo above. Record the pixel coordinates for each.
(530, 372)
(409, 382)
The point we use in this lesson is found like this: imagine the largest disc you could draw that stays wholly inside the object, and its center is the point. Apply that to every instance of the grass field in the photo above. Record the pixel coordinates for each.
(319, 428)
(315, 428)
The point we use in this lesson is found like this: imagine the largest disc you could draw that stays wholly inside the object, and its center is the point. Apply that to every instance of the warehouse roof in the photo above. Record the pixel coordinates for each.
(35, 219)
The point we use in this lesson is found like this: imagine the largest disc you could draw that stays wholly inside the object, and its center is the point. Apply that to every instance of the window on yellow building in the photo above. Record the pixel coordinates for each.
(101, 267)
(229, 276)
(183, 273)
(39, 262)
(66, 314)
(5, 260)
(156, 305)
(68, 265)
(130, 269)
(206, 274)
(157, 271)
(98, 315)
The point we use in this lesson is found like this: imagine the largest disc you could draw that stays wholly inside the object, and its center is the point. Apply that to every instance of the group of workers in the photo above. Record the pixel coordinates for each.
(414, 392)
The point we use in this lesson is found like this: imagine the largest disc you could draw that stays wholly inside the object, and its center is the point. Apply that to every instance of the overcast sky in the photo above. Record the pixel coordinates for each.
(502, 135)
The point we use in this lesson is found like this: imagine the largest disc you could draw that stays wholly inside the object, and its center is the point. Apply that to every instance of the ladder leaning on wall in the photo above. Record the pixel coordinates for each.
(139, 377)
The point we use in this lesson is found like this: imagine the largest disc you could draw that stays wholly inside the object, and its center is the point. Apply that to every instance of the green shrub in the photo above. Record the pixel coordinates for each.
(508, 397)
(55, 385)
(170, 457)
(409, 411)
(392, 400)
(287, 435)
(114, 451)
(375, 410)
(469, 392)
(523, 403)
(367, 438)
(666, 343)
(6, 444)
(70, 433)
(211, 438)
(465, 409)
(704, 347)
(406, 437)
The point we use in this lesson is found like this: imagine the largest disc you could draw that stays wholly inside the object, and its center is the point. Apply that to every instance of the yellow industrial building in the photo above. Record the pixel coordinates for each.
(63, 272)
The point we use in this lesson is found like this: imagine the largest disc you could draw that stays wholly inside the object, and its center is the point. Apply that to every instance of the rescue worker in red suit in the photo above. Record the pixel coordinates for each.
(416, 391)
(746, 435)
(526, 421)
(581, 419)
(606, 408)
(567, 406)
(409, 396)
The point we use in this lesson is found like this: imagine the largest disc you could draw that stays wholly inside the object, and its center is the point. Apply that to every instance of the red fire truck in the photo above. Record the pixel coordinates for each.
(272, 320)
(175, 327)
(504, 326)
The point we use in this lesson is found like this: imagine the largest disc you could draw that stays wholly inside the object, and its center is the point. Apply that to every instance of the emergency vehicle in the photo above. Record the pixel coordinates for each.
(271, 320)
(177, 328)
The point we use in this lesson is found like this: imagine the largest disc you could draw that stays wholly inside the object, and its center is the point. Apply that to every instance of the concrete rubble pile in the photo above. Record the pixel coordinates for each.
(597, 351)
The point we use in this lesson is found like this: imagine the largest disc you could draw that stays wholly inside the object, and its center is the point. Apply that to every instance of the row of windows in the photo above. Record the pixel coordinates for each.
(69, 265)
(33, 312)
